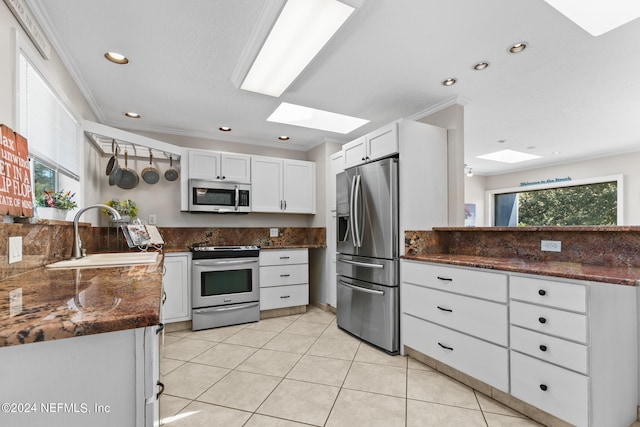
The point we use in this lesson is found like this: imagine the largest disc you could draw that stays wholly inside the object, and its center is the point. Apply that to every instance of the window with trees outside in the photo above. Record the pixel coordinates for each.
(596, 202)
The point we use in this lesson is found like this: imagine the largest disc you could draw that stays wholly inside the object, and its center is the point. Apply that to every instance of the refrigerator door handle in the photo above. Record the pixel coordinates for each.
(362, 264)
(359, 289)
(356, 214)
(351, 209)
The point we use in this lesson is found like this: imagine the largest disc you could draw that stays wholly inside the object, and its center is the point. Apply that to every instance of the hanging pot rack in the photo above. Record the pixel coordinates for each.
(140, 152)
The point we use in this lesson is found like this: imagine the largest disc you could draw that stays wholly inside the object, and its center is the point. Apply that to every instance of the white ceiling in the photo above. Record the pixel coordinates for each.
(568, 91)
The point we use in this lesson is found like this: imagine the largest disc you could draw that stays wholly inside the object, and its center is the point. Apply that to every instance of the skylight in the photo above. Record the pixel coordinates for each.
(598, 16)
(509, 156)
(297, 115)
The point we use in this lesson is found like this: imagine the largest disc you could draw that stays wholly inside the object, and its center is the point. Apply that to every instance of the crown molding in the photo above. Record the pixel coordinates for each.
(446, 103)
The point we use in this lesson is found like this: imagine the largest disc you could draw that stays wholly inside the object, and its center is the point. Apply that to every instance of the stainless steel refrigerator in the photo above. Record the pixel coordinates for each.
(368, 250)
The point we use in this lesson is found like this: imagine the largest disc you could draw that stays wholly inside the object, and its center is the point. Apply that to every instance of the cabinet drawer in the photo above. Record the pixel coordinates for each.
(567, 296)
(481, 284)
(485, 361)
(283, 296)
(483, 319)
(550, 321)
(555, 350)
(285, 256)
(555, 390)
(278, 275)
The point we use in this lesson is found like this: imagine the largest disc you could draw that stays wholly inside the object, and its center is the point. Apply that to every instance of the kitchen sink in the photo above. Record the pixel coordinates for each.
(108, 260)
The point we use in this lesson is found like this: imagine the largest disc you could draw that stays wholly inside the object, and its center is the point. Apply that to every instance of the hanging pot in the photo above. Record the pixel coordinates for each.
(116, 172)
(129, 178)
(113, 161)
(150, 174)
(171, 174)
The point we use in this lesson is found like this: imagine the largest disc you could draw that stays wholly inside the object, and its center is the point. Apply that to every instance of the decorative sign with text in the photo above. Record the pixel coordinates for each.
(16, 197)
(546, 181)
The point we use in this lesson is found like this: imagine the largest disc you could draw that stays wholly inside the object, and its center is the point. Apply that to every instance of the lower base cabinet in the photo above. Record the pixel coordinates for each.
(572, 347)
(284, 278)
(176, 285)
(101, 380)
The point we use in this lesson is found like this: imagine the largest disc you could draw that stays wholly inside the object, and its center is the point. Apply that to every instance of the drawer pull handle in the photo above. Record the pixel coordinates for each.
(445, 309)
(543, 387)
(285, 296)
(284, 257)
(542, 320)
(543, 347)
(542, 292)
(161, 385)
(446, 279)
(445, 347)
(285, 275)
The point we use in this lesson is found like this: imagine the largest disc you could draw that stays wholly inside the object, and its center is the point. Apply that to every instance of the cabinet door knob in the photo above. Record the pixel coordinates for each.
(218, 177)
(542, 320)
(542, 292)
(224, 177)
(543, 347)
(543, 387)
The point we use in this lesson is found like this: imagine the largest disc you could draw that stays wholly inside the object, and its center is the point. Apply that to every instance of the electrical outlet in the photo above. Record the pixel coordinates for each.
(152, 219)
(15, 249)
(551, 245)
(273, 232)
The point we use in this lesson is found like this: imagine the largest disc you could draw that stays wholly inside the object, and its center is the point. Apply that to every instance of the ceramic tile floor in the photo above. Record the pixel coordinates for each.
(302, 370)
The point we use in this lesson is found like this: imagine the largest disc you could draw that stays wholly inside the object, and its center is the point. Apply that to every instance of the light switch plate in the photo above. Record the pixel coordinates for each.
(152, 219)
(15, 249)
(273, 232)
(551, 245)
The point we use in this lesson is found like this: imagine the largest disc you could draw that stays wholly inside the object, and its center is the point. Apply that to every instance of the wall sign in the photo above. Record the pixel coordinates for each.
(546, 181)
(16, 197)
(28, 22)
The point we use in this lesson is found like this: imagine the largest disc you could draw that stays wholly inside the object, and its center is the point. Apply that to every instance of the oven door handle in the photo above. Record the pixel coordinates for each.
(231, 308)
(359, 289)
(212, 262)
(237, 197)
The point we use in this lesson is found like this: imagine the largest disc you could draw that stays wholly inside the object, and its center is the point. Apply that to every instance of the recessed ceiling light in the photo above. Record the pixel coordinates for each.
(225, 128)
(481, 66)
(518, 47)
(598, 16)
(132, 115)
(509, 156)
(297, 115)
(449, 82)
(501, 141)
(283, 138)
(116, 57)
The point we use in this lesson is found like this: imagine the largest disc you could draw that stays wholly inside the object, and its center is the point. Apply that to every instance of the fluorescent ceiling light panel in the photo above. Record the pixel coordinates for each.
(509, 156)
(598, 16)
(297, 115)
(302, 29)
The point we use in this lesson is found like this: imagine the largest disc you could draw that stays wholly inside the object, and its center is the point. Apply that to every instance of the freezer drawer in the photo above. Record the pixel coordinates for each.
(374, 270)
(369, 312)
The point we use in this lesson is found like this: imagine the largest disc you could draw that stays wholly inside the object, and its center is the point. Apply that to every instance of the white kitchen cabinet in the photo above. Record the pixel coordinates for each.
(282, 185)
(176, 285)
(467, 330)
(574, 350)
(215, 166)
(284, 278)
(380, 143)
(107, 379)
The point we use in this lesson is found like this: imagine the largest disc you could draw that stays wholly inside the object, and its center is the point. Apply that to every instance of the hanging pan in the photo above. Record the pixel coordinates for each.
(113, 161)
(116, 172)
(129, 178)
(171, 174)
(150, 174)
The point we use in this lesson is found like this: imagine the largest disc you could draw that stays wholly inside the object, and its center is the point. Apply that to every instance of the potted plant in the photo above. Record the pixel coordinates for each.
(55, 204)
(126, 208)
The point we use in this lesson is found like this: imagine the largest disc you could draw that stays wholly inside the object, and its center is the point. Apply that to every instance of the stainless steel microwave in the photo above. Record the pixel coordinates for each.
(219, 197)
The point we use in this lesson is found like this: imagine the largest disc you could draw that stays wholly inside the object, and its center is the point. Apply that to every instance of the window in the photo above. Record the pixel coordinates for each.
(53, 133)
(586, 202)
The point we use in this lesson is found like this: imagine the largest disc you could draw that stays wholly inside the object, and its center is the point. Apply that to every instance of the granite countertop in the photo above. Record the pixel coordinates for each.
(628, 276)
(63, 303)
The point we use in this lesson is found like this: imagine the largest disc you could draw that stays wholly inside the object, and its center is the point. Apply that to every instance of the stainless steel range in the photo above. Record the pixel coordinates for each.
(225, 286)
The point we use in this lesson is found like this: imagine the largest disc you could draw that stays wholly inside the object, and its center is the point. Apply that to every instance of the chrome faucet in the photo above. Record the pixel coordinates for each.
(77, 251)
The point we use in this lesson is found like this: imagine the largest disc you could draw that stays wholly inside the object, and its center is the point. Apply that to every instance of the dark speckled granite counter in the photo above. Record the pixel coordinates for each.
(63, 303)
(601, 254)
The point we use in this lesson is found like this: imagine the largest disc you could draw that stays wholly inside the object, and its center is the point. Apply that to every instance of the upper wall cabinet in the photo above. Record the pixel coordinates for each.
(281, 185)
(376, 145)
(213, 166)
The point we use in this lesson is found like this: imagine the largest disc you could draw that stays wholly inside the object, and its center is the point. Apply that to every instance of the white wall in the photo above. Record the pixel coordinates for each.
(625, 164)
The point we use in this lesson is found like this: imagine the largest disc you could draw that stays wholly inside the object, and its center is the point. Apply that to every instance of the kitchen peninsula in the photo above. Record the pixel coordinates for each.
(537, 330)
